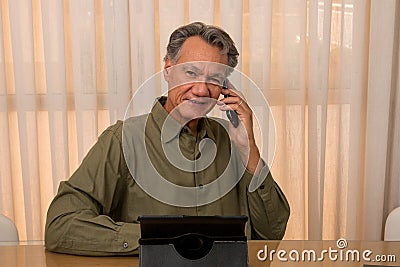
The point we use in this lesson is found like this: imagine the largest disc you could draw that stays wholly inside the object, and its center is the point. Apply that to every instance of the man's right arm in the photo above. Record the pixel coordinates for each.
(79, 220)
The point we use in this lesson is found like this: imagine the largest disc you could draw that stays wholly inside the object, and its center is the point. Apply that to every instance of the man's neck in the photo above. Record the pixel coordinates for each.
(193, 126)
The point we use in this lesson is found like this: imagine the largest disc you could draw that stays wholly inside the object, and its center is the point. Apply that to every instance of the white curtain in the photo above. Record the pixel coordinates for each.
(329, 69)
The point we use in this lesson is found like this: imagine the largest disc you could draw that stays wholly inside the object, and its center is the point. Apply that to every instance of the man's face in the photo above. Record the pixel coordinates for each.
(195, 80)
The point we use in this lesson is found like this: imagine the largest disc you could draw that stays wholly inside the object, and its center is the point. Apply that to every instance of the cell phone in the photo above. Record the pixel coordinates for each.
(231, 114)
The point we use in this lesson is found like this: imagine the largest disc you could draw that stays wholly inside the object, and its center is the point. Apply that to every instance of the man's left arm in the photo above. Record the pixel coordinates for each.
(268, 207)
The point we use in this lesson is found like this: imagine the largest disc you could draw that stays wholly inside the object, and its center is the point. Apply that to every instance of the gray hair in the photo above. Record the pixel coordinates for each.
(211, 34)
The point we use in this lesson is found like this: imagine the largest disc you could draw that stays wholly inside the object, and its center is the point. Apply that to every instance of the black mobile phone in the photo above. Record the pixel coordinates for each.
(231, 114)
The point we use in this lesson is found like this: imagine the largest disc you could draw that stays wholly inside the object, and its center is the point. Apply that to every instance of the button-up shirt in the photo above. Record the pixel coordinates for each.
(132, 171)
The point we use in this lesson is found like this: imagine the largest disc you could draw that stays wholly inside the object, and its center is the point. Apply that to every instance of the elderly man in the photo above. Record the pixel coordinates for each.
(95, 212)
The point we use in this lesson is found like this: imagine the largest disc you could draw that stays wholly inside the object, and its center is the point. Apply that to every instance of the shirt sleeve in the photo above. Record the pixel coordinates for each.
(79, 219)
(268, 207)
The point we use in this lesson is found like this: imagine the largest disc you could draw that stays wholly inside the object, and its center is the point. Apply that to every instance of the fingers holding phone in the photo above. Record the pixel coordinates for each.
(237, 109)
(241, 117)
(234, 104)
(231, 114)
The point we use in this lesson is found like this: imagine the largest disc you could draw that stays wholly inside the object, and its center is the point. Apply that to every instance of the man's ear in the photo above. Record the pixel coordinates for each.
(166, 70)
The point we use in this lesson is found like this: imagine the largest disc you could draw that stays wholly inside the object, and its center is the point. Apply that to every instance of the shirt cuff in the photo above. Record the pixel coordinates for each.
(128, 238)
(261, 182)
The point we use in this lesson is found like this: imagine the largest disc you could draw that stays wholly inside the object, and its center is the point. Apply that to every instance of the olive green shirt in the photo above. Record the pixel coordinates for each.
(95, 212)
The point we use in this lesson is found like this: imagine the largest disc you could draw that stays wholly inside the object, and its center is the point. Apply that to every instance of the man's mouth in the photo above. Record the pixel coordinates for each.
(197, 102)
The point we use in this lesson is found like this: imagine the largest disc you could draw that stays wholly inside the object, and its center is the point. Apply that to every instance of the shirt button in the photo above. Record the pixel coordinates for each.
(262, 187)
(125, 245)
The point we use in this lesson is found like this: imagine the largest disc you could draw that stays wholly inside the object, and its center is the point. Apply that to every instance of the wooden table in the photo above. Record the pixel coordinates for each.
(33, 254)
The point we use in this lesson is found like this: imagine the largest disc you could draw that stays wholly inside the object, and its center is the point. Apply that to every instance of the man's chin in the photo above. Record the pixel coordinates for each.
(191, 111)
(185, 116)
(193, 116)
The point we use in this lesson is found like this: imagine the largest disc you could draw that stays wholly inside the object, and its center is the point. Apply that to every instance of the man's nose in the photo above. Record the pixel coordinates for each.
(200, 89)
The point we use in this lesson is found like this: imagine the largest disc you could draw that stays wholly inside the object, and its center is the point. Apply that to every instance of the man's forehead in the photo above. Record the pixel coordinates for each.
(196, 49)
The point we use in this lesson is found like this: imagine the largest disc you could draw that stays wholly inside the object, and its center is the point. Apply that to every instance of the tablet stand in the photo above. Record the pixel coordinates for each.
(193, 241)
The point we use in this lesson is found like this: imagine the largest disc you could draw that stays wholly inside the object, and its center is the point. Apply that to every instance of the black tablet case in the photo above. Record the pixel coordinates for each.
(193, 241)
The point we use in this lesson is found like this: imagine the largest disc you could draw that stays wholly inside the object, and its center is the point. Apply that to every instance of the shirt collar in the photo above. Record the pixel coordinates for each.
(174, 128)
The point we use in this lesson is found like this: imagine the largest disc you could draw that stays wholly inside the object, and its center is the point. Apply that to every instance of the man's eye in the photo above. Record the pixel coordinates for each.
(191, 73)
(215, 81)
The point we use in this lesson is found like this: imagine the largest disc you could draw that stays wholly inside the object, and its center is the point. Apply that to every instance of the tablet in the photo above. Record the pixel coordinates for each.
(170, 226)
